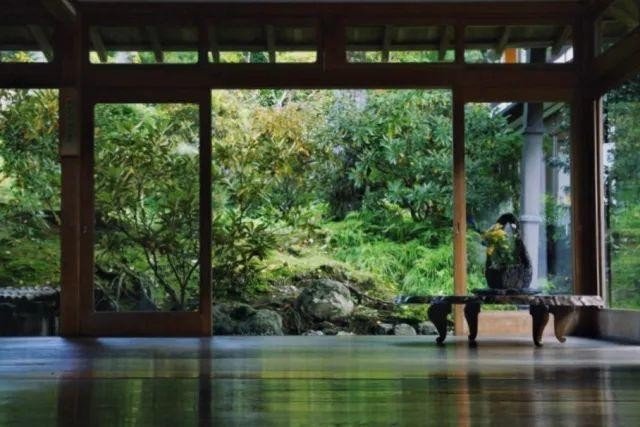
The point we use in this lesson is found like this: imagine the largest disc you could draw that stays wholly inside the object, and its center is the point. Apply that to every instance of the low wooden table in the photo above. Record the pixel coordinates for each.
(563, 308)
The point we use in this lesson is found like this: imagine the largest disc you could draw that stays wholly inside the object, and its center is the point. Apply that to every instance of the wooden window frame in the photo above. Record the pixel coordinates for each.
(98, 323)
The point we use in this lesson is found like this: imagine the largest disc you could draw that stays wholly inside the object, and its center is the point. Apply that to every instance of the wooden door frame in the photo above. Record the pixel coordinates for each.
(94, 323)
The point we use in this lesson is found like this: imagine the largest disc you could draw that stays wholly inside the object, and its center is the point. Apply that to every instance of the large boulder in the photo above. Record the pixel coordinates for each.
(427, 328)
(242, 319)
(326, 299)
(403, 329)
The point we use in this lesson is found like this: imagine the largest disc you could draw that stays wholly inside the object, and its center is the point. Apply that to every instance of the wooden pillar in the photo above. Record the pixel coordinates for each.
(205, 308)
(585, 167)
(333, 50)
(70, 122)
(460, 211)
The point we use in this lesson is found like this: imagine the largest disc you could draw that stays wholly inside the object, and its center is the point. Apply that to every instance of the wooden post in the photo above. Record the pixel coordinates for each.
(205, 213)
(585, 170)
(70, 120)
(459, 209)
(586, 194)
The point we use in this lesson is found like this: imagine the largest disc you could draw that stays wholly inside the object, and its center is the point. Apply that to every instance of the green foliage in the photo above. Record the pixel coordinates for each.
(493, 152)
(405, 260)
(282, 162)
(29, 187)
(622, 108)
(146, 187)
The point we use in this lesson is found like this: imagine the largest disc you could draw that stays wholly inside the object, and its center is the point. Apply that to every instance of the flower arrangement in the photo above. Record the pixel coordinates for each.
(501, 246)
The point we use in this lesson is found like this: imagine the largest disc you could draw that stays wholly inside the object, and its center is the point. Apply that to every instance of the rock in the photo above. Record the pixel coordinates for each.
(345, 334)
(242, 319)
(263, 322)
(326, 299)
(384, 329)
(328, 328)
(427, 328)
(403, 329)
(312, 333)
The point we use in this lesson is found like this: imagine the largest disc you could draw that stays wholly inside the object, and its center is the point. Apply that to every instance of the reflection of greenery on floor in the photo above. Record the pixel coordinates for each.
(359, 180)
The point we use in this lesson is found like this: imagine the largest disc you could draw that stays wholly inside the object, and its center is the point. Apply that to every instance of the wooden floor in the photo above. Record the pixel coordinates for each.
(317, 381)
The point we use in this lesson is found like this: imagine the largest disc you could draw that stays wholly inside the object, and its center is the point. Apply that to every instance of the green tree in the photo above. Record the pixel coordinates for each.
(29, 187)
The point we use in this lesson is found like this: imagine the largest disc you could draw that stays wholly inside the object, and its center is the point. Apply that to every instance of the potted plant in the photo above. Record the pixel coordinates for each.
(508, 265)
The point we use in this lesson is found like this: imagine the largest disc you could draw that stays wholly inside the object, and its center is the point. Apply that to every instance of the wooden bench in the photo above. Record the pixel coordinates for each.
(563, 308)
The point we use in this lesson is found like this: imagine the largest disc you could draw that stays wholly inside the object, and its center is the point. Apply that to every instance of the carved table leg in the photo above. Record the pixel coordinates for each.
(471, 311)
(564, 320)
(540, 317)
(438, 312)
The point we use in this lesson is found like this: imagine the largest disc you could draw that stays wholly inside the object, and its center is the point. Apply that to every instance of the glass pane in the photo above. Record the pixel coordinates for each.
(147, 207)
(618, 20)
(622, 194)
(26, 43)
(29, 212)
(400, 43)
(518, 44)
(144, 44)
(354, 186)
(518, 196)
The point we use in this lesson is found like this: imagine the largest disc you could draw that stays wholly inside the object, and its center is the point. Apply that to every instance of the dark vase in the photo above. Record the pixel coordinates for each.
(511, 277)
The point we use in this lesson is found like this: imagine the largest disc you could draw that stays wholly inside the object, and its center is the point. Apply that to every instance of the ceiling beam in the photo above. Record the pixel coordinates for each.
(503, 41)
(156, 46)
(444, 42)
(561, 40)
(386, 42)
(98, 44)
(271, 42)
(43, 41)
(62, 10)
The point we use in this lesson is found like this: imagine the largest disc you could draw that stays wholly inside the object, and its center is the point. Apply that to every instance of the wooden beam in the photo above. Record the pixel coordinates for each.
(503, 41)
(270, 33)
(333, 50)
(618, 63)
(62, 10)
(43, 41)
(561, 41)
(445, 38)
(98, 44)
(154, 40)
(386, 42)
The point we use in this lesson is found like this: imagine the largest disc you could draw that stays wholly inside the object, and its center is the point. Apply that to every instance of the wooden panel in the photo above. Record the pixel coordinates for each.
(143, 324)
(14, 75)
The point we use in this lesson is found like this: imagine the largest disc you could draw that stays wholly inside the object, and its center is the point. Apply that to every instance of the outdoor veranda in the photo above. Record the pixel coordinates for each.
(532, 61)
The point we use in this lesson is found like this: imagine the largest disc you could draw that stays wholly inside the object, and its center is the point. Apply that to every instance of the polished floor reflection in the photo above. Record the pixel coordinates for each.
(316, 381)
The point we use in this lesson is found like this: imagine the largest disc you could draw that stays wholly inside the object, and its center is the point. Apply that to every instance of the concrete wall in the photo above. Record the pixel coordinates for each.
(619, 325)
(507, 323)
